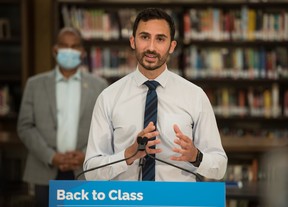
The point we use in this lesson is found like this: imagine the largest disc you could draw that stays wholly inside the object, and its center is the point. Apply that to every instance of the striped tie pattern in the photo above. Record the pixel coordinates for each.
(148, 170)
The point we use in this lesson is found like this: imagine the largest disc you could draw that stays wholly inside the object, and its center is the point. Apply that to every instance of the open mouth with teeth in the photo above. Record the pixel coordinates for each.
(150, 57)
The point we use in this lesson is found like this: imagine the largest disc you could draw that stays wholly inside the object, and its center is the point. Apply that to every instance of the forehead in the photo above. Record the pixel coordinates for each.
(154, 27)
(68, 36)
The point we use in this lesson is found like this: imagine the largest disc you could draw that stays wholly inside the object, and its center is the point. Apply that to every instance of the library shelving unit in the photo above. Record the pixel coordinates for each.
(14, 70)
(236, 50)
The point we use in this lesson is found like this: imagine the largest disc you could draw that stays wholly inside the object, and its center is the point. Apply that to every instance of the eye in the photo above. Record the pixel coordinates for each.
(62, 45)
(144, 37)
(161, 39)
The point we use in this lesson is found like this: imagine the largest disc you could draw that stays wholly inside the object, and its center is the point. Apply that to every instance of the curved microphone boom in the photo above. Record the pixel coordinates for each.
(142, 142)
(141, 147)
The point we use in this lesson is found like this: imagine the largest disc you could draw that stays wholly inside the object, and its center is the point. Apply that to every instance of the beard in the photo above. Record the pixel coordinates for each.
(161, 60)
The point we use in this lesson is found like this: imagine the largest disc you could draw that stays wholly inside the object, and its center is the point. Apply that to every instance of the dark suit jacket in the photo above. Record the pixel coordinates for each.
(37, 122)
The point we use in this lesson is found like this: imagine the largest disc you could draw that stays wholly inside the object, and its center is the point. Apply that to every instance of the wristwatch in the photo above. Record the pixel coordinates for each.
(198, 160)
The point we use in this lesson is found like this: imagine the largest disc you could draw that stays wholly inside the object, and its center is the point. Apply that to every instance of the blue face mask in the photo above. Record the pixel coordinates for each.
(68, 58)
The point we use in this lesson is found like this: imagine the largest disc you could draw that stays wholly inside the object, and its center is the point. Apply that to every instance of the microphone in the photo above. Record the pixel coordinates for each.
(142, 142)
(141, 147)
(145, 140)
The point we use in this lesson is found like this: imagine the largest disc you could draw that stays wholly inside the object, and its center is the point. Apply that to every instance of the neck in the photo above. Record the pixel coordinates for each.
(68, 73)
(152, 74)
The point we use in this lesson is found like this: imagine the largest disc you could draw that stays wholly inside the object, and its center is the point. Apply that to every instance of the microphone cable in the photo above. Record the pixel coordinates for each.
(198, 177)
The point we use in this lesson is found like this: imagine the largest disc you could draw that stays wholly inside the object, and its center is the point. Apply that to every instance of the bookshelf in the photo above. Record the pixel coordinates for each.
(14, 69)
(236, 50)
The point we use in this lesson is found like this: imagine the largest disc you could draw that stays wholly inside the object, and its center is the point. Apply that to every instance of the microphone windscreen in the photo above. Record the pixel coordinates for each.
(142, 141)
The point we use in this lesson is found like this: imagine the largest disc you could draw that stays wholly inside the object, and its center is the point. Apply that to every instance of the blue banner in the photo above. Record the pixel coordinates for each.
(136, 194)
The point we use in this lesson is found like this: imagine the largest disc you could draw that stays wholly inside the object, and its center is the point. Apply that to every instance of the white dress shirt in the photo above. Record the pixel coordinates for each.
(119, 115)
(68, 93)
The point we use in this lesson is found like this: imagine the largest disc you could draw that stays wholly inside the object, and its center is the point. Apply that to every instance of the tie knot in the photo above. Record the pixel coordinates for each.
(152, 85)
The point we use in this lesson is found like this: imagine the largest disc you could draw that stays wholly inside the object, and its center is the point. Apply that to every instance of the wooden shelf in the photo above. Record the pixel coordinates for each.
(252, 144)
(9, 139)
(241, 81)
(279, 121)
(234, 43)
(249, 191)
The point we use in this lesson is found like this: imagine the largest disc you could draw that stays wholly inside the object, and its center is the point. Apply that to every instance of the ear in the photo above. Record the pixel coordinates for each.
(54, 51)
(173, 46)
(132, 42)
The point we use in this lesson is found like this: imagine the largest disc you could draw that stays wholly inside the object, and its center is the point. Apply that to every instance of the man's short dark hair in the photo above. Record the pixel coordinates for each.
(154, 13)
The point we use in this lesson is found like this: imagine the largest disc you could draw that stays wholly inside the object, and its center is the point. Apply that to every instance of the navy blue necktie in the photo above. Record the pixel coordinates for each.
(148, 170)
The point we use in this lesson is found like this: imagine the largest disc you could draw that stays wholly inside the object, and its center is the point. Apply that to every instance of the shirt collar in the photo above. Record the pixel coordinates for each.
(161, 79)
(60, 77)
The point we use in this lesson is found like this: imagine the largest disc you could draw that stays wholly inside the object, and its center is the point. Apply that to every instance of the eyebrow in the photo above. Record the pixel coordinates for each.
(158, 35)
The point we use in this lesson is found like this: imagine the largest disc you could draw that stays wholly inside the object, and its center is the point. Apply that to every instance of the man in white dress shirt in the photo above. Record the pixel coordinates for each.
(186, 130)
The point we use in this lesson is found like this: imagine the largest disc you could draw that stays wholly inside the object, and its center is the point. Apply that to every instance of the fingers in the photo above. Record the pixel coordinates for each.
(186, 150)
(58, 159)
(183, 144)
(179, 134)
(66, 167)
(177, 130)
(184, 155)
(69, 160)
(75, 157)
(152, 150)
(149, 131)
(182, 140)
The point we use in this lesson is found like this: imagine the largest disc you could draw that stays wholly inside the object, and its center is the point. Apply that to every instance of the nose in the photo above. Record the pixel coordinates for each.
(151, 45)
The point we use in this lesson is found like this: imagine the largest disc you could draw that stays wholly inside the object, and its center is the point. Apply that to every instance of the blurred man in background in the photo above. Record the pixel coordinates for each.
(55, 116)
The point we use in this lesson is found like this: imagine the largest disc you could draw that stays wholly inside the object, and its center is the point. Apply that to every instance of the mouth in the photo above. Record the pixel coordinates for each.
(150, 57)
